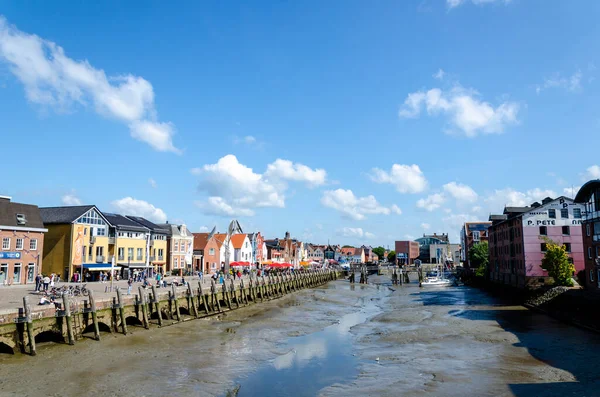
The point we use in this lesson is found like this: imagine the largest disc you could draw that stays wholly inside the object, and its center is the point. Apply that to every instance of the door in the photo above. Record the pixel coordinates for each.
(31, 273)
(17, 274)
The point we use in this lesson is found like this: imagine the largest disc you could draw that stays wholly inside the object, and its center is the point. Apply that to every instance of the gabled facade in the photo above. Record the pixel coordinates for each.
(22, 236)
(259, 248)
(180, 248)
(242, 249)
(78, 240)
(206, 253)
(156, 255)
(129, 244)
(472, 233)
(223, 242)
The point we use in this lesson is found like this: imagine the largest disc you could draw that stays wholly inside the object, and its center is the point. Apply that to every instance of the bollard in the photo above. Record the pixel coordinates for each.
(157, 306)
(94, 315)
(29, 321)
(70, 334)
(174, 297)
(192, 301)
(121, 311)
(142, 304)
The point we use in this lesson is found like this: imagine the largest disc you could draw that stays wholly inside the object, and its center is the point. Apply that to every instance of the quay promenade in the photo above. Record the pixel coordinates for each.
(114, 312)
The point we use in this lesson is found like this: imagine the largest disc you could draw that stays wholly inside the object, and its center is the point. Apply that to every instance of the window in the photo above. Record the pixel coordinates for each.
(543, 231)
(100, 231)
(6, 243)
(591, 275)
(31, 272)
(129, 253)
(590, 252)
(568, 247)
(552, 213)
(566, 230)
(175, 263)
(587, 229)
(176, 246)
(99, 251)
(91, 252)
(139, 254)
(183, 246)
(160, 253)
(19, 244)
(121, 252)
(475, 236)
(33, 244)
(564, 213)
(85, 231)
(543, 247)
(211, 251)
(577, 213)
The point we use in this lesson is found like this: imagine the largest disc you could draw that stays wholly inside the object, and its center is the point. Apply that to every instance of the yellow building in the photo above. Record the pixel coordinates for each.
(157, 247)
(77, 241)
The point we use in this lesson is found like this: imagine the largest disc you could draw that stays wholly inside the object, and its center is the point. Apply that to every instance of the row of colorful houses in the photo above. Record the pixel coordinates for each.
(81, 242)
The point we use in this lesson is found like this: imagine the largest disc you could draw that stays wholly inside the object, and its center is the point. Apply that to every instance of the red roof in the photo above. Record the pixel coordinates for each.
(238, 240)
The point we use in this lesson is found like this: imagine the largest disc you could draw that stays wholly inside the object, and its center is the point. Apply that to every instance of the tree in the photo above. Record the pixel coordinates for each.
(380, 252)
(392, 256)
(479, 258)
(556, 263)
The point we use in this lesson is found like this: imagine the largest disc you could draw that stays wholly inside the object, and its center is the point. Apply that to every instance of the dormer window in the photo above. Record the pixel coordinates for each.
(21, 220)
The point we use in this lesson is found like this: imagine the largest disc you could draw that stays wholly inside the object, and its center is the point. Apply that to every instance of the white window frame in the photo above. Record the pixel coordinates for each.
(175, 263)
(139, 255)
(6, 243)
(33, 244)
(176, 246)
(30, 266)
(15, 266)
(476, 235)
(211, 251)
(19, 240)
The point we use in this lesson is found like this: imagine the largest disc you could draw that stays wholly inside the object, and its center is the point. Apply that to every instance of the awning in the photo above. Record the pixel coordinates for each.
(237, 264)
(99, 266)
(135, 265)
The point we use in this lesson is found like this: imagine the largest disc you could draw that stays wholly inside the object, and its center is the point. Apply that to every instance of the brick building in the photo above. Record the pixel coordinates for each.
(589, 197)
(472, 233)
(517, 240)
(206, 253)
(22, 235)
(410, 250)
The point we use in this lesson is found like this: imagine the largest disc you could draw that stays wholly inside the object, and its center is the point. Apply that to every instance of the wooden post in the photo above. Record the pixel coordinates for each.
(214, 296)
(29, 321)
(233, 294)
(242, 293)
(157, 306)
(94, 315)
(226, 297)
(202, 298)
(174, 297)
(142, 305)
(192, 300)
(121, 311)
(70, 333)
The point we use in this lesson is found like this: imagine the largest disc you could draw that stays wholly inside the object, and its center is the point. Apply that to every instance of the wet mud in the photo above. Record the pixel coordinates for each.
(337, 340)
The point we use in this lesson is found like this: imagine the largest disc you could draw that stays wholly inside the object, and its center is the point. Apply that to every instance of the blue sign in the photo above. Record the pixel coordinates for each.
(10, 255)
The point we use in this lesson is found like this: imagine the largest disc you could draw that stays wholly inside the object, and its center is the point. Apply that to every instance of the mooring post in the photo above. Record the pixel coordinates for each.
(192, 300)
(243, 295)
(157, 306)
(174, 297)
(70, 333)
(121, 311)
(94, 315)
(233, 294)
(29, 321)
(142, 305)
(226, 297)
(202, 297)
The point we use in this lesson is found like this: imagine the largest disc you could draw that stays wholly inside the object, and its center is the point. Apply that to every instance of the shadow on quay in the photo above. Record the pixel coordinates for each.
(550, 341)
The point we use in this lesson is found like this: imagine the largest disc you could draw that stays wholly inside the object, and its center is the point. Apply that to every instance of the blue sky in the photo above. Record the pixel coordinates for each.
(332, 120)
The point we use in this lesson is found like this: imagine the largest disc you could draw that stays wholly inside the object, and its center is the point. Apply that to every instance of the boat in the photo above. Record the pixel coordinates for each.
(437, 278)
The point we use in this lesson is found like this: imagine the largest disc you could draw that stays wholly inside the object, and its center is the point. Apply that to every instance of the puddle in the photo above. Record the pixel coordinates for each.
(313, 361)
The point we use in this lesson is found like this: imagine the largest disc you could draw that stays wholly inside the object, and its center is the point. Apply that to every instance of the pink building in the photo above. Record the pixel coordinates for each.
(516, 240)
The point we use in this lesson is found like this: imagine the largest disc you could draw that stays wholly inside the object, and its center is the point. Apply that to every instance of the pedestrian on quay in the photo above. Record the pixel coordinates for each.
(52, 280)
(46, 281)
(57, 278)
(38, 283)
(200, 275)
(129, 285)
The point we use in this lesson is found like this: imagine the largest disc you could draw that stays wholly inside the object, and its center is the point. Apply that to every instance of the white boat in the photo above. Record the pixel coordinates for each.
(437, 278)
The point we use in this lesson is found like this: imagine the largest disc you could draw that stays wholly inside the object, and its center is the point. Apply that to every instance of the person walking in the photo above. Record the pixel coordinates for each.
(38, 283)
(129, 285)
(46, 281)
(52, 281)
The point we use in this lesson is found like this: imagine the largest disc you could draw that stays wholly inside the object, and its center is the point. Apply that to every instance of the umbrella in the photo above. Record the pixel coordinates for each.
(282, 265)
(233, 264)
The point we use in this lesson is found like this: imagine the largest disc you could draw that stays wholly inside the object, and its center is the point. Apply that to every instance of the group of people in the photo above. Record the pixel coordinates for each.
(43, 283)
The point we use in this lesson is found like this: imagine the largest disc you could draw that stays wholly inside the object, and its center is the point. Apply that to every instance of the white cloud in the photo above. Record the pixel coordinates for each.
(456, 3)
(356, 232)
(425, 226)
(235, 189)
(52, 79)
(287, 170)
(593, 172)
(465, 111)
(513, 198)
(431, 202)
(406, 178)
(248, 140)
(152, 183)
(70, 199)
(355, 207)
(203, 229)
(395, 209)
(571, 191)
(571, 83)
(131, 206)
(409, 237)
(461, 192)
(439, 74)
(218, 206)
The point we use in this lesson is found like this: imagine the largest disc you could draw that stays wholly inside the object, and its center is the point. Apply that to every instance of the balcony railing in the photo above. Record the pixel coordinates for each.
(100, 259)
(111, 240)
(121, 257)
(92, 239)
(139, 258)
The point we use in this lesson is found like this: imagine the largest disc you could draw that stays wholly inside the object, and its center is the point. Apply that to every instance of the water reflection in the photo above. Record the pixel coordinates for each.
(311, 362)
